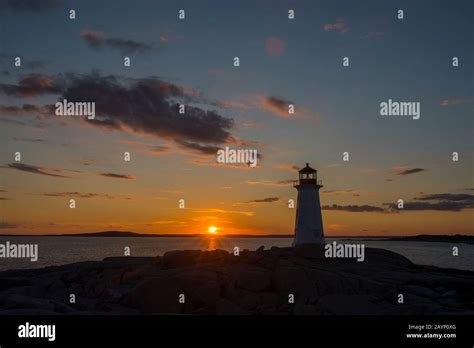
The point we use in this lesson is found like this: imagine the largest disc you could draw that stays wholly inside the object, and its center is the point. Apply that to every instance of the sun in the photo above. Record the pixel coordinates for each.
(212, 229)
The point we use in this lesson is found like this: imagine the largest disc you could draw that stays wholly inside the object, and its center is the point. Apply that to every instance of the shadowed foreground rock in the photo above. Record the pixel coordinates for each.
(256, 282)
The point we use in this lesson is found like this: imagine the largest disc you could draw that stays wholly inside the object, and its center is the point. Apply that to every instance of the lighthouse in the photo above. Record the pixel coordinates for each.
(309, 221)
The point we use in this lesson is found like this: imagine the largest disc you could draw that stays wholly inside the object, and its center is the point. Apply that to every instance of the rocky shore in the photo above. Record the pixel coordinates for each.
(255, 282)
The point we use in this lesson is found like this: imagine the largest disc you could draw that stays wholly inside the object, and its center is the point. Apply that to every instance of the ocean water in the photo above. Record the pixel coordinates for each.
(63, 250)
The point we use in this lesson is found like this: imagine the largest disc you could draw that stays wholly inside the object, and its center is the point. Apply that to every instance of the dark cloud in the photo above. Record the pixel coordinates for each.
(19, 110)
(443, 205)
(6, 225)
(411, 171)
(98, 40)
(29, 5)
(143, 106)
(355, 208)
(117, 176)
(35, 169)
(264, 200)
(438, 201)
(453, 197)
(277, 105)
(203, 149)
(84, 195)
(31, 86)
(149, 106)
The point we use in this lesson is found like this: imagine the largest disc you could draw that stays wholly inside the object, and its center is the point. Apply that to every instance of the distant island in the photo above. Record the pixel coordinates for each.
(457, 238)
(135, 234)
(433, 238)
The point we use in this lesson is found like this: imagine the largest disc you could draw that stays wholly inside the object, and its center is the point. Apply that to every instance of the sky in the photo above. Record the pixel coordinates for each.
(190, 61)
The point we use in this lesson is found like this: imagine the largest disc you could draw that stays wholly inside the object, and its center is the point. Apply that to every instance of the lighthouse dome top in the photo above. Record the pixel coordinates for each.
(307, 170)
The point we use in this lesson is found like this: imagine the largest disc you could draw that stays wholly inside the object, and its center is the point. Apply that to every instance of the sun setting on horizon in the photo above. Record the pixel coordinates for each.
(212, 230)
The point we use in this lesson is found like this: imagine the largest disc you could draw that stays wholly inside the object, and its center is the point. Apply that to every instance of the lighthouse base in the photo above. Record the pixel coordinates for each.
(309, 221)
(313, 241)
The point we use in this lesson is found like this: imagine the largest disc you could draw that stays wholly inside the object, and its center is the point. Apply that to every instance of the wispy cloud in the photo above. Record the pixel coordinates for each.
(86, 161)
(152, 149)
(453, 202)
(38, 170)
(85, 195)
(453, 197)
(340, 25)
(98, 40)
(452, 101)
(354, 208)
(288, 167)
(31, 86)
(341, 192)
(411, 171)
(117, 176)
(270, 182)
(225, 211)
(276, 105)
(263, 200)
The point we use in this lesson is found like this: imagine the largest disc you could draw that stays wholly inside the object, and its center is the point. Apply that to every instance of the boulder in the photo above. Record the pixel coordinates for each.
(20, 301)
(420, 291)
(252, 278)
(155, 295)
(206, 295)
(180, 258)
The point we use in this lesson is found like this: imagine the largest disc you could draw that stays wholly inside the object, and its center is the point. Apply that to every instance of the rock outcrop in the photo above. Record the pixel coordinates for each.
(297, 281)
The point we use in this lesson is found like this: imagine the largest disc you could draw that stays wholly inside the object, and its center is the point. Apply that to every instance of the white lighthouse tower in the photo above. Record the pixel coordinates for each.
(309, 221)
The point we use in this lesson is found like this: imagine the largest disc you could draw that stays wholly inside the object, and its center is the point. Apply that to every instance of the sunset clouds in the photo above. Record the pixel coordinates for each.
(31, 86)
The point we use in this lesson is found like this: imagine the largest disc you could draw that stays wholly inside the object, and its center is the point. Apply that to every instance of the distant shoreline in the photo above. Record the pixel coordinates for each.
(417, 238)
